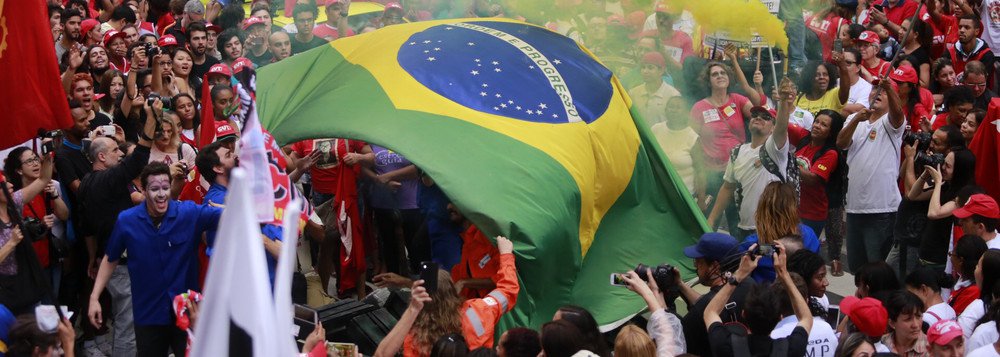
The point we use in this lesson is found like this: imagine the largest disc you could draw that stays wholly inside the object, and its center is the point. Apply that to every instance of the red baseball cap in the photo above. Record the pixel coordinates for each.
(870, 37)
(110, 35)
(980, 205)
(654, 58)
(661, 7)
(867, 314)
(904, 74)
(220, 68)
(393, 5)
(241, 64)
(225, 132)
(253, 21)
(209, 26)
(760, 109)
(167, 41)
(943, 332)
(88, 25)
(616, 20)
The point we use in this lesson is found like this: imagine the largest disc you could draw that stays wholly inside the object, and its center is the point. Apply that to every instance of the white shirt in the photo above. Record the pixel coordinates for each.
(989, 14)
(943, 312)
(753, 177)
(985, 351)
(822, 339)
(802, 118)
(860, 92)
(975, 311)
(873, 157)
(993, 243)
(985, 334)
(677, 145)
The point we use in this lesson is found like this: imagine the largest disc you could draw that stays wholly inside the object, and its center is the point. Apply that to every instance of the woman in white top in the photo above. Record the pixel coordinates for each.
(926, 283)
(168, 147)
(987, 279)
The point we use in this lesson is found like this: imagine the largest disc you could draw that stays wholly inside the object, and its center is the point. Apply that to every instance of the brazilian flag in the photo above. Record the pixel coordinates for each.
(528, 134)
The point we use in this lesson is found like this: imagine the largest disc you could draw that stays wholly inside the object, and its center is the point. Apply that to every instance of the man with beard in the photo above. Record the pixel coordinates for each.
(104, 193)
(197, 36)
(70, 21)
(161, 237)
(280, 46)
(121, 17)
(305, 19)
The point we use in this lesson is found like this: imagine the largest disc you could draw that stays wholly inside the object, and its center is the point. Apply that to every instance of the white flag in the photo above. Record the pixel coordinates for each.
(253, 158)
(283, 278)
(237, 286)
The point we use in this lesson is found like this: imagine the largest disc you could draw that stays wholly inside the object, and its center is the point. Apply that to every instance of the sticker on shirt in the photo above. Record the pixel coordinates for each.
(872, 135)
(756, 163)
(711, 115)
(994, 13)
(328, 148)
(729, 111)
(482, 262)
(673, 52)
(821, 167)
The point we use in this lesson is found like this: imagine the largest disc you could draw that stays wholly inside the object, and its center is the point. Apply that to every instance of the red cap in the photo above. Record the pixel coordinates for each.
(209, 26)
(220, 68)
(167, 41)
(110, 35)
(616, 20)
(942, 332)
(225, 132)
(895, 86)
(241, 64)
(867, 314)
(870, 37)
(980, 205)
(654, 58)
(904, 74)
(759, 109)
(253, 21)
(88, 25)
(393, 5)
(661, 7)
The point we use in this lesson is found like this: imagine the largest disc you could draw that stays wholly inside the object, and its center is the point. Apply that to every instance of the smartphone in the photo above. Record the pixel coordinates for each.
(106, 130)
(618, 279)
(833, 316)
(47, 147)
(765, 250)
(838, 45)
(429, 273)
(878, 7)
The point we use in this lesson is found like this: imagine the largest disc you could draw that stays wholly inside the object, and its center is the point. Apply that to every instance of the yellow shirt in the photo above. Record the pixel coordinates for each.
(827, 101)
(677, 144)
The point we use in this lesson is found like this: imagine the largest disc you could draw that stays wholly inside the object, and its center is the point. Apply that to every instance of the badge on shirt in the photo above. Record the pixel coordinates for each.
(482, 262)
(821, 167)
(871, 135)
(711, 115)
(729, 111)
(756, 163)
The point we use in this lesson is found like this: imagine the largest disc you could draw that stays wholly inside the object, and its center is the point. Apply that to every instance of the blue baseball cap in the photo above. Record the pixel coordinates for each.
(713, 246)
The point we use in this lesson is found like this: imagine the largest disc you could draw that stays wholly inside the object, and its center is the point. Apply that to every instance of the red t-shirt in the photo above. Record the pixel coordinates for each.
(42, 246)
(945, 32)
(813, 204)
(328, 32)
(923, 109)
(903, 10)
(679, 46)
(721, 129)
(324, 173)
(827, 29)
(879, 70)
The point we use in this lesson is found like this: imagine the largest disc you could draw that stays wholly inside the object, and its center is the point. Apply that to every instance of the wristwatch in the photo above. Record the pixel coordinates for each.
(731, 280)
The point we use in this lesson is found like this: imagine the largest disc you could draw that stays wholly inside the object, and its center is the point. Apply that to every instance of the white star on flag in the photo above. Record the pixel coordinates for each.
(543, 106)
(554, 116)
(482, 94)
(495, 108)
(412, 43)
(474, 73)
(531, 67)
(529, 111)
(427, 41)
(503, 105)
(498, 95)
(518, 107)
(996, 123)
(510, 102)
(497, 70)
(477, 60)
(471, 43)
(495, 63)
(485, 85)
(539, 112)
(431, 59)
(437, 48)
(556, 61)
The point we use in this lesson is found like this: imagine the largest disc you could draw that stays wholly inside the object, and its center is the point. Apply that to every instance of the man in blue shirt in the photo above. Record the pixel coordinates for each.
(162, 238)
(214, 162)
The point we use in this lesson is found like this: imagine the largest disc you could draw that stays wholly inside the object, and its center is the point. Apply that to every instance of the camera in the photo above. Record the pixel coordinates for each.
(55, 137)
(663, 274)
(925, 159)
(151, 51)
(33, 229)
(765, 250)
(165, 100)
(923, 140)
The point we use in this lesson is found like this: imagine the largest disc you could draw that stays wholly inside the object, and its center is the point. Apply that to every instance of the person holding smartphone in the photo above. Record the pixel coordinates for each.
(336, 25)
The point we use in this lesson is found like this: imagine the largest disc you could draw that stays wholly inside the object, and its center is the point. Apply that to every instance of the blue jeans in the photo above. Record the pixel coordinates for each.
(790, 11)
(869, 238)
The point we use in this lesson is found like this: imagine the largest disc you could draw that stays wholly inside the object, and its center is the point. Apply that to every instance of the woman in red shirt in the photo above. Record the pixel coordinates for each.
(964, 259)
(817, 162)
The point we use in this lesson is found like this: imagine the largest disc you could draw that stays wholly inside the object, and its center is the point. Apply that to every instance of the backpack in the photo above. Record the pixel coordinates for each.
(790, 175)
(741, 344)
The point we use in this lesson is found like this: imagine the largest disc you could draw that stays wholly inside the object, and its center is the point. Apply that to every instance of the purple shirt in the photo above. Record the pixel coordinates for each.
(406, 196)
(9, 265)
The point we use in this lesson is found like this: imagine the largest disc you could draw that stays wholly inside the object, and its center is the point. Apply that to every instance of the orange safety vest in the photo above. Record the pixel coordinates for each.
(480, 316)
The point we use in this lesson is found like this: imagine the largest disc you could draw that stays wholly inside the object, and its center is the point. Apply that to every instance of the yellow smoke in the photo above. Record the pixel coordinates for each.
(740, 18)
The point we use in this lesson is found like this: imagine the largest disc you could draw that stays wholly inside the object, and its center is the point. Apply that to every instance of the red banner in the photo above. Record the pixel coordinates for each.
(986, 146)
(32, 91)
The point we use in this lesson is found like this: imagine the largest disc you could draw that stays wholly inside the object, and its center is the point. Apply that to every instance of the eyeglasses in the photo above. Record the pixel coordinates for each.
(761, 117)
(976, 85)
(851, 63)
(33, 160)
(305, 21)
(718, 74)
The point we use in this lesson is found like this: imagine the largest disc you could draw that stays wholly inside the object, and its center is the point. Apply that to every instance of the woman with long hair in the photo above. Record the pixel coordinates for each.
(917, 47)
(585, 322)
(987, 278)
(12, 234)
(821, 182)
(972, 122)
(561, 338)
(188, 118)
(22, 167)
(181, 62)
(943, 78)
(112, 85)
(433, 315)
(940, 185)
(917, 101)
(855, 345)
(632, 341)
(168, 147)
(964, 259)
(812, 268)
(778, 220)
(720, 121)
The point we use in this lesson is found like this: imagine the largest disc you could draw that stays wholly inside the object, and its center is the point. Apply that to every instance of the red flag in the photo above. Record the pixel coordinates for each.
(986, 146)
(32, 92)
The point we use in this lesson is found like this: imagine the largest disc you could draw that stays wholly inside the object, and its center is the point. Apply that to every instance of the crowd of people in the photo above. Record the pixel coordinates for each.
(862, 147)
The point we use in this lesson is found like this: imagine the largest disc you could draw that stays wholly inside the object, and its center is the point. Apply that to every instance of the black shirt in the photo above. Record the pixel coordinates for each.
(720, 337)
(99, 120)
(105, 193)
(199, 70)
(299, 47)
(695, 332)
(259, 61)
(983, 101)
(71, 165)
